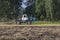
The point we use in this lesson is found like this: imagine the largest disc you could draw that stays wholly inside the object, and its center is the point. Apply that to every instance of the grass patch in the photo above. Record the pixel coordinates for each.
(46, 22)
(33, 23)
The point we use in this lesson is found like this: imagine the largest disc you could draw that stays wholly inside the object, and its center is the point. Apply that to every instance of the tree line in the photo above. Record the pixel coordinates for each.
(48, 9)
(43, 9)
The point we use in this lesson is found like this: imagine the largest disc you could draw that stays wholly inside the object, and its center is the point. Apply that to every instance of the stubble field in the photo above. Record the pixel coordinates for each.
(29, 33)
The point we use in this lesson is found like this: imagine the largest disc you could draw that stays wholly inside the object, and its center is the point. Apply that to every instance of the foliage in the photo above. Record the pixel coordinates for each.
(43, 9)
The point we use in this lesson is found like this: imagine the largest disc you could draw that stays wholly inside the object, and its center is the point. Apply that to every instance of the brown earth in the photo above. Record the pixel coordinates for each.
(29, 33)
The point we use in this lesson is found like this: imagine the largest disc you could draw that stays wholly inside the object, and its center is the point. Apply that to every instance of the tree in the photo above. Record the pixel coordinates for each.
(39, 9)
(49, 9)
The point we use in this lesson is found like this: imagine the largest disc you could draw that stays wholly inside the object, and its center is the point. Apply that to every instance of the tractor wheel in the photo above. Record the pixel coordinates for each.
(17, 22)
(20, 22)
(29, 22)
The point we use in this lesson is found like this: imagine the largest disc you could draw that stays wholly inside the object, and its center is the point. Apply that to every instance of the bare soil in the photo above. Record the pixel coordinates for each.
(30, 33)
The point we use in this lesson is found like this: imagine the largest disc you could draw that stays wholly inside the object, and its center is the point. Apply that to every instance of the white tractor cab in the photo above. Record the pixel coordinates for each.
(24, 19)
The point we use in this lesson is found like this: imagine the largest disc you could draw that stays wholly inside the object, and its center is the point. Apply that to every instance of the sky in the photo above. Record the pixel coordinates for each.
(24, 4)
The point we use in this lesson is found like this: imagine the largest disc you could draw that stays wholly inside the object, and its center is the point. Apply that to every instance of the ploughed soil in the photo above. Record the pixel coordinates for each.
(29, 33)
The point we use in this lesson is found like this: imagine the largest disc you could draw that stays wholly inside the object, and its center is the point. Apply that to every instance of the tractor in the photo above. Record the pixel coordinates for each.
(24, 19)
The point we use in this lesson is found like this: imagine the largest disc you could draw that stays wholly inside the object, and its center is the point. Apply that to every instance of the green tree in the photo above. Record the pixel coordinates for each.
(49, 9)
(39, 9)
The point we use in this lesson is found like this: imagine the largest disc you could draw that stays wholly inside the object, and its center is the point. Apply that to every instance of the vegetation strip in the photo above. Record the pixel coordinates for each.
(34, 25)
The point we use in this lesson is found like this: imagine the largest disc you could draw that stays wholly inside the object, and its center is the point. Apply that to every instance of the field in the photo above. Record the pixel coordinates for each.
(29, 32)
